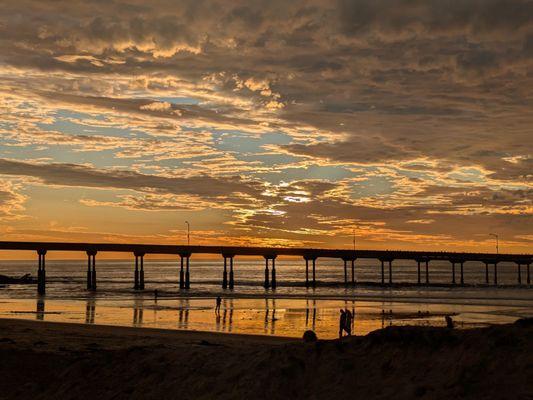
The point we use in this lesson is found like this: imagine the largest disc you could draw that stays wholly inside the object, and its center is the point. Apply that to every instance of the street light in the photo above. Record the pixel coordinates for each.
(188, 233)
(354, 240)
(497, 244)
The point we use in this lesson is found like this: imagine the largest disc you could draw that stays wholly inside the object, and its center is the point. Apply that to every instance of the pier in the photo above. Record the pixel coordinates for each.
(309, 256)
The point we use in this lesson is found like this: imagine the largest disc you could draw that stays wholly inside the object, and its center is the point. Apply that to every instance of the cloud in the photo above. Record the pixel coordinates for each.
(157, 106)
(86, 176)
(11, 201)
(424, 104)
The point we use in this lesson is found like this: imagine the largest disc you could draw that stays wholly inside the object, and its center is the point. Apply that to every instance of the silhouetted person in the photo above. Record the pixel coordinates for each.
(348, 324)
(449, 322)
(342, 322)
(217, 307)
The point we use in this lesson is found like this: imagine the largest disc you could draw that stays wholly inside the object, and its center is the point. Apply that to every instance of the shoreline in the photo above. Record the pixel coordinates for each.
(456, 298)
(67, 328)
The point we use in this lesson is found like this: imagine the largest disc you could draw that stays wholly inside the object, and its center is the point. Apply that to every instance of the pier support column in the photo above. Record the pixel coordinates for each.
(314, 271)
(41, 273)
(267, 274)
(427, 272)
(89, 272)
(136, 273)
(141, 273)
(495, 274)
(231, 281)
(353, 271)
(527, 277)
(390, 272)
(306, 272)
(182, 273)
(519, 270)
(92, 270)
(462, 273)
(382, 272)
(225, 274)
(345, 271)
(187, 272)
(273, 281)
(453, 272)
(486, 273)
(418, 271)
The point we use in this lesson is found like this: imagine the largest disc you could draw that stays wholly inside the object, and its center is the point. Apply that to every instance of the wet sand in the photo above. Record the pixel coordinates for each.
(288, 317)
(42, 360)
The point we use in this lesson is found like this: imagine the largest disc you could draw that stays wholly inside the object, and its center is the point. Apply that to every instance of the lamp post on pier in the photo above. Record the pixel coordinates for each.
(497, 243)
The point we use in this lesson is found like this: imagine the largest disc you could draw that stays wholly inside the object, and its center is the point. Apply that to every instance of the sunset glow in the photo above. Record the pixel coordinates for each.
(267, 125)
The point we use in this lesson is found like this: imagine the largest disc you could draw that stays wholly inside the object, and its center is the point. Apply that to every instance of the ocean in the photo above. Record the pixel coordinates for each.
(288, 310)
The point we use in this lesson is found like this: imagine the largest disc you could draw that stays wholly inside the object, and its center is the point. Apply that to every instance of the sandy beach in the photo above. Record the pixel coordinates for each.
(44, 360)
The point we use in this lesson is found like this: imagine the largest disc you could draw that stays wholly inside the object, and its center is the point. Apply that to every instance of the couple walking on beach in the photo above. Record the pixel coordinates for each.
(345, 322)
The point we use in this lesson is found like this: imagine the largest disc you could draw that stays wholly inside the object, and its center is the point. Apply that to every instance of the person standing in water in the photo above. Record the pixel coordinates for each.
(342, 322)
(218, 303)
(348, 324)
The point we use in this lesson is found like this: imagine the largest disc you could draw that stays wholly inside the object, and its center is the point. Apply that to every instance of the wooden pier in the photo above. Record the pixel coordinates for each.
(270, 254)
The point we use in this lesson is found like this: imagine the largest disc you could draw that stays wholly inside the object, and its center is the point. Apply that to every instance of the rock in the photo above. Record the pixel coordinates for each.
(310, 337)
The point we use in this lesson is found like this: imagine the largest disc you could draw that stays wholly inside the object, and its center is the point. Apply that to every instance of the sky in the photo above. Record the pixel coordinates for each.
(408, 123)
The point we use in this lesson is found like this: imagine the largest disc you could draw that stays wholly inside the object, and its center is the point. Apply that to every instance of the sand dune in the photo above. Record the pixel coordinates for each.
(40, 360)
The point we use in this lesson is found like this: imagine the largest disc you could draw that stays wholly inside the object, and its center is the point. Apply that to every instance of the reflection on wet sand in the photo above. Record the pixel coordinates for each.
(310, 310)
(270, 317)
(39, 314)
(90, 311)
(183, 315)
(284, 317)
(138, 309)
(386, 317)
(224, 318)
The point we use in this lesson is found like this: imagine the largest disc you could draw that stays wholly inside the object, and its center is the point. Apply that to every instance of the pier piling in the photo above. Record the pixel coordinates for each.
(496, 274)
(187, 273)
(519, 271)
(314, 271)
(353, 271)
(231, 281)
(527, 277)
(345, 271)
(182, 274)
(390, 272)
(462, 274)
(486, 273)
(453, 272)
(427, 272)
(41, 273)
(89, 272)
(418, 271)
(382, 272)
(273, 281)
(266, 284)
(136, 273)
(225, 274)
(306, 272)
(141, 273)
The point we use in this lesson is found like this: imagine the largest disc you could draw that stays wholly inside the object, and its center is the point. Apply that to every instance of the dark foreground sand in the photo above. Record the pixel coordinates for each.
(40, 360)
